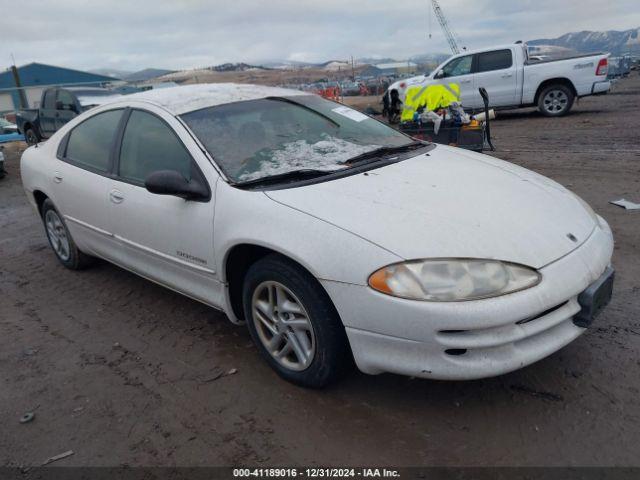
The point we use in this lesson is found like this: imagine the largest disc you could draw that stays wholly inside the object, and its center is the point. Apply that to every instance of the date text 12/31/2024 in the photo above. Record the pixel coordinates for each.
(315, 473)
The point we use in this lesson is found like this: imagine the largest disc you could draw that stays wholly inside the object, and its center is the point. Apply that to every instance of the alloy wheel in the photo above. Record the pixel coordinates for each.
(57, 234)
(555, 101)
(283, 325)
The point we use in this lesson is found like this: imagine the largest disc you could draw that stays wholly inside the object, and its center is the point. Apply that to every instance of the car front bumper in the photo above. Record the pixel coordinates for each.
(472, 339)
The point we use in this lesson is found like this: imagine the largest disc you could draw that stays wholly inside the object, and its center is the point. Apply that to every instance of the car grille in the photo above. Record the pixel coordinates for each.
(462, 342)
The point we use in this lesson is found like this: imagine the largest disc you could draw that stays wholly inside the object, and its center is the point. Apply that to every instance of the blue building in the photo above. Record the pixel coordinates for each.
(35, 77)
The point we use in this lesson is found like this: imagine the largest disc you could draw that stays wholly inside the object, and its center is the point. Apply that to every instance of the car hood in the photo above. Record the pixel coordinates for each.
(451, 203)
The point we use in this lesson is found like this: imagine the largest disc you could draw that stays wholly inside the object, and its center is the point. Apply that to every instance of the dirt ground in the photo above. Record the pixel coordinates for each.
(124, 372)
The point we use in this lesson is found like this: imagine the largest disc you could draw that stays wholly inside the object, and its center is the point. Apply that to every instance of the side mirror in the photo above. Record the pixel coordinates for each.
(59, 105)
(170, 182)
(439, 74)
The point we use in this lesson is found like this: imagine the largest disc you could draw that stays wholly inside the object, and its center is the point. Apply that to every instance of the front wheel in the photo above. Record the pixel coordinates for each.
(555, 100)
(293, 323)
(31, 137)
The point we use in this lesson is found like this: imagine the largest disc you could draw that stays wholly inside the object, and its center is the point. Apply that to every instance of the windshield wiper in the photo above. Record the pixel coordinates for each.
(379, 152)
(301, 174)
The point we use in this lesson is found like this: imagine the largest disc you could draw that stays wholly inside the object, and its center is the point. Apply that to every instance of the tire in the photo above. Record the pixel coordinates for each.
(31, 137)
(60, 239)
(323, 340)
(555, 100)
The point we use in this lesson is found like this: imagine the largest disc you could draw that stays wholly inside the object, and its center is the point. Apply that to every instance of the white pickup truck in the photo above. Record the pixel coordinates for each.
(513, 79)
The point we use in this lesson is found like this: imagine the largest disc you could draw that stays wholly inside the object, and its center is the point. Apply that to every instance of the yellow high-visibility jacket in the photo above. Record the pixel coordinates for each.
(432, 97)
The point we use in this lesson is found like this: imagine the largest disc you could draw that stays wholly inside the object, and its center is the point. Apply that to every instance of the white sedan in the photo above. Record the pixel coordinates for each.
(330, 234)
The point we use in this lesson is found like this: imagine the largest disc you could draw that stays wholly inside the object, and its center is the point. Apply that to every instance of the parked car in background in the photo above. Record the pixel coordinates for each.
(9, 131)
(3, 172)
(330, 234)
(57, 106)
(6, 127)
(350, 89)
(513, 79)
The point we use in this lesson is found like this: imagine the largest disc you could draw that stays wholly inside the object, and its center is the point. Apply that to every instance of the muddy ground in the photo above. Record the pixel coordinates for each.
(122, 371)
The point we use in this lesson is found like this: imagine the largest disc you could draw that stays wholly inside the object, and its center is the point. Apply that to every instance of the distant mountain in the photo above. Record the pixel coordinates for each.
(287, 64)
(375, 60)
(436, 58)
(236, 67)
(586, 41)
(146, 74)
(111, 72)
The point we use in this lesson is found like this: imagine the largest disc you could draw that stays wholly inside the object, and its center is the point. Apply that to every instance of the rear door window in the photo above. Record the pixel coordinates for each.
(90, 142)
(65, 101)
(49, 101)
(496, 60)
(149, 145)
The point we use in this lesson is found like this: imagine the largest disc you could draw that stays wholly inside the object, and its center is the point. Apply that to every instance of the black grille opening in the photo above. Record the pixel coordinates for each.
(453, 331)
(456, 351)
(546, 312)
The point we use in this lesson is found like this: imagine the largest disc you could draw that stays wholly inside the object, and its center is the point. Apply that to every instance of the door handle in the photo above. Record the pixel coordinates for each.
(57, 177)
(116, 196)
(465, 81)
(507, 75)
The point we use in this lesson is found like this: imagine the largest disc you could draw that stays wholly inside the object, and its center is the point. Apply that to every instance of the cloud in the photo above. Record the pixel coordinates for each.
(195, 33)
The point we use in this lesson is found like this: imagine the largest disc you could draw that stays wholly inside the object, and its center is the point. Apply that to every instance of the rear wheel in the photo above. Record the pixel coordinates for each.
(293, 323)
(60, 239)
(555, 100)
(31, 137)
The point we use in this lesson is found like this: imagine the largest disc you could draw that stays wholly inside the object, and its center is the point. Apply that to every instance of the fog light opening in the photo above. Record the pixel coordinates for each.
(456, 351)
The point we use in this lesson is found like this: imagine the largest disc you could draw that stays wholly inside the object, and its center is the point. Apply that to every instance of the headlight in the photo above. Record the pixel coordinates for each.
(452, 280)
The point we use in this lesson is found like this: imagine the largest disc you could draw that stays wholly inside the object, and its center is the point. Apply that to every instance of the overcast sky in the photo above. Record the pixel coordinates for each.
(181, 34)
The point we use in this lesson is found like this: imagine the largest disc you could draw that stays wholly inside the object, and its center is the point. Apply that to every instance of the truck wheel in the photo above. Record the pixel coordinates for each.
(31, 136)
(555, 100)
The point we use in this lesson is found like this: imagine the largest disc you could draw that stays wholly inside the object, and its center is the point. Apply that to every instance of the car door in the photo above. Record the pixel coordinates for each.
(81, 179)
(460, 70)
(163, 237)
(66, 108)
(496, 71)
(47, 113)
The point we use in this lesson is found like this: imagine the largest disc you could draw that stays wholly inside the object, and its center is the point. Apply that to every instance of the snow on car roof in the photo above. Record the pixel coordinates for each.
(188, 98)
(87, 100)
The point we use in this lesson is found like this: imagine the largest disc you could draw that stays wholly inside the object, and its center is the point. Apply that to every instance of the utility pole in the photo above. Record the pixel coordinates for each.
(16, 78)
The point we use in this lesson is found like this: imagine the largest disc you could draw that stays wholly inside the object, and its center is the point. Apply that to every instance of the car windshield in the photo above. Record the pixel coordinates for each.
(256, 139)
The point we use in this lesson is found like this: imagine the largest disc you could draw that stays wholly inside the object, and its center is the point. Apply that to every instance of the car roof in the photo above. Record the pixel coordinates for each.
(87, 89)
(187, 98)
(486, 49)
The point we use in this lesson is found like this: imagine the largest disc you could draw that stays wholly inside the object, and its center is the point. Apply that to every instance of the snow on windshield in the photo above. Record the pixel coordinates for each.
(327, 154)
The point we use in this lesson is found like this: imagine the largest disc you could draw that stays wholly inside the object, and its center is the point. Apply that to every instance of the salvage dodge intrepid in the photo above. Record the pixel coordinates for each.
(330, 234)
